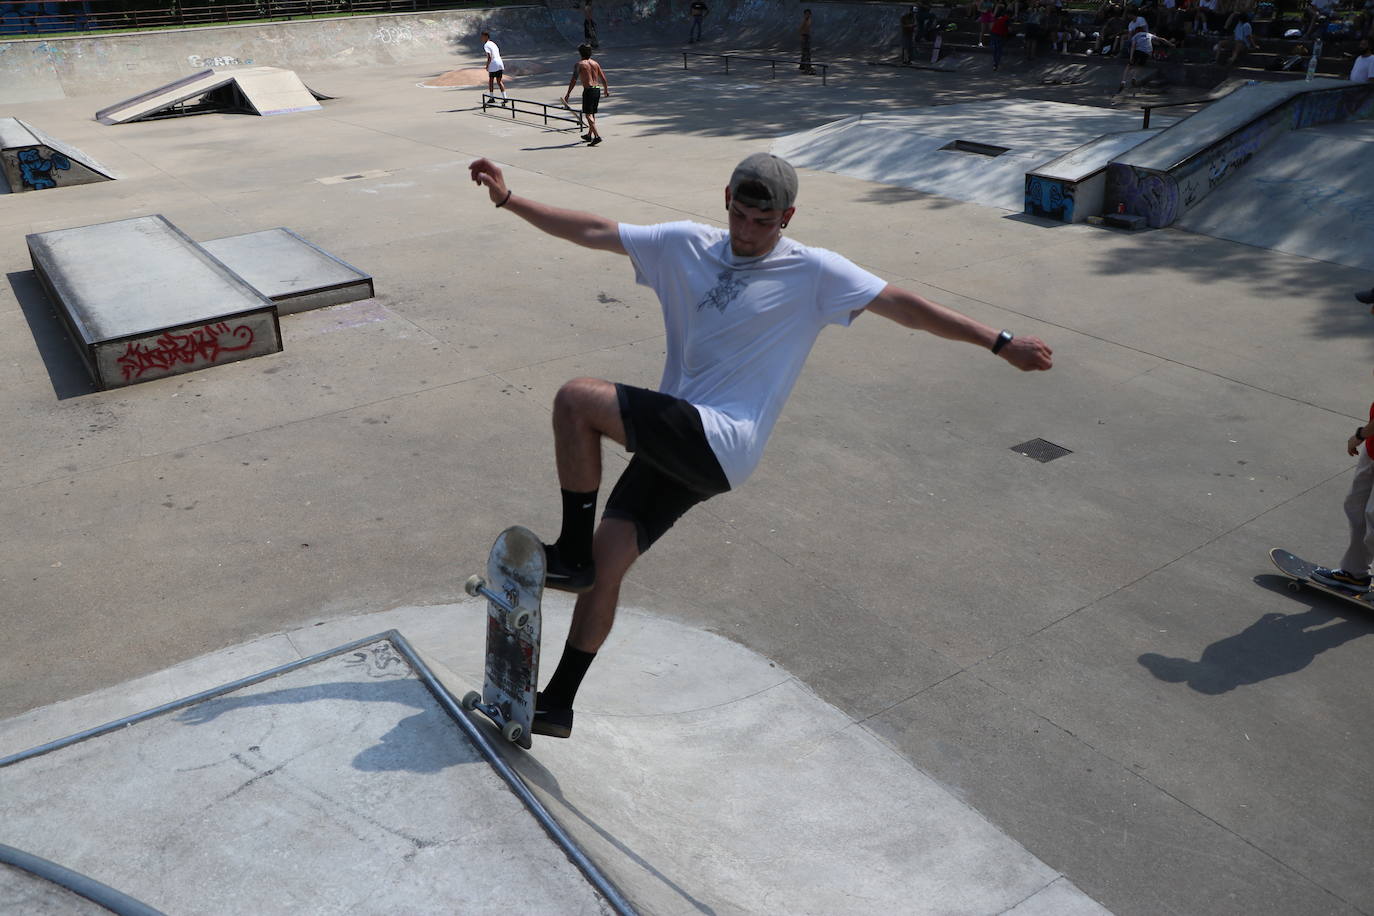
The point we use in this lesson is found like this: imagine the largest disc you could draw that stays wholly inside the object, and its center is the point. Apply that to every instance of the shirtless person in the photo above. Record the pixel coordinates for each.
(593, 80)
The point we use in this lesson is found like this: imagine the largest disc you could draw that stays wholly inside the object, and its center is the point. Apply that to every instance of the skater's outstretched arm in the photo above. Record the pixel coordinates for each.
(581, 228)
(919, 313)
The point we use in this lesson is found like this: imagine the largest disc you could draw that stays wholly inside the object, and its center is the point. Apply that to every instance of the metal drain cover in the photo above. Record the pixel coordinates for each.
(1041, 450)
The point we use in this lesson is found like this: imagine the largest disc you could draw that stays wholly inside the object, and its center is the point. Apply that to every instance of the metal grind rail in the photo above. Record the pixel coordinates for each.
(772, 61)
(594, 875)
(534, 109)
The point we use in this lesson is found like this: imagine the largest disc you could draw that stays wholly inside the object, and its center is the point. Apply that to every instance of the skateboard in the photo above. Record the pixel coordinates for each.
(1300, 572)
(513, 585)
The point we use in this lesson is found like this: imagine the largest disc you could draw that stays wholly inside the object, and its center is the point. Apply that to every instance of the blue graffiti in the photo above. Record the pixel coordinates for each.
(1318, 197)
(1049, 198)
(36, 171)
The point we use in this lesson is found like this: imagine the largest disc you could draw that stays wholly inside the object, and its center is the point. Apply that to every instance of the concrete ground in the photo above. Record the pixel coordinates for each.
(1093, 653)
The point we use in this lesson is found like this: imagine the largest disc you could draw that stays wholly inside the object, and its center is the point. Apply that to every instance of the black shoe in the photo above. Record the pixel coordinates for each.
(586, 136)
(555, 723)
(1339, 578)
(593, 141)
(1366, 298)
(566, 578)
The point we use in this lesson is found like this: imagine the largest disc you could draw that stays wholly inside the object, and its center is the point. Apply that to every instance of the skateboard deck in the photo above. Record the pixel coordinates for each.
(513, 587)
(1300, 572)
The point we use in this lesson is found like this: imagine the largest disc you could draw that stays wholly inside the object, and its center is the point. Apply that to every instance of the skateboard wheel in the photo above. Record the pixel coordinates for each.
(519, 620)
(474, 585)
(471, 699)
(512, 731)
(1295, 586)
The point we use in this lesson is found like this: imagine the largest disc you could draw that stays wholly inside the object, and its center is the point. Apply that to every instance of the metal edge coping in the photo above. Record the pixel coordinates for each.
(598, 878)
(556, 832)
(191, 700)
(103, 895)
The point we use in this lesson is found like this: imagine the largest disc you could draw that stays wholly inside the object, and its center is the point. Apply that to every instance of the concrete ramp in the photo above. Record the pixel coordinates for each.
(348, 782)
(978, 152)
(1164, 178)
(252, 90)
(701, 778)
(32, 161)
(1311, 193)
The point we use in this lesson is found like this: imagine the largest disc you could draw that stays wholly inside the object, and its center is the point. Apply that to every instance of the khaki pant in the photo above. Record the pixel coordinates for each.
(1359, 512)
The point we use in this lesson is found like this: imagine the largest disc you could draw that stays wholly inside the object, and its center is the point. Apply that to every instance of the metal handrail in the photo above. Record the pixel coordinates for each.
(774, 61)
(1149, 108)
(510, 104)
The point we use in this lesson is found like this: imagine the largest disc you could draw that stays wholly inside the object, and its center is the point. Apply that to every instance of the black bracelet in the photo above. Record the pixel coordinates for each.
(509, 192)
(1002, 340)
(1359, 432)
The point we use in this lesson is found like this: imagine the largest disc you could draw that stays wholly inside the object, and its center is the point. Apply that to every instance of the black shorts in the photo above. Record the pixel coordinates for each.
(1139, 58)
(591, 99)
(673, 467)
(496, 74)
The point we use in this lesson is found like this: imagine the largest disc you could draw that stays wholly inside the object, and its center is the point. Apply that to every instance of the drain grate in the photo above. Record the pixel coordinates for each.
(1041, 450)
(969, 146)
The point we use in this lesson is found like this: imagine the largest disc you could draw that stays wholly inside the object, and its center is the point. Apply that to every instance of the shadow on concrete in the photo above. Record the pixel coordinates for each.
(397, 749)
(1273, 277)
(59, 352)
(1273, 646)
(534, 773)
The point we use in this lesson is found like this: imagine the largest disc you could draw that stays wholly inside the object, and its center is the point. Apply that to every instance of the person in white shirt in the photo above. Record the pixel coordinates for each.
(496, 68)
(1208, 16)
(1242, 40)
(1142, 48)
(1363, 70)
(742, 307)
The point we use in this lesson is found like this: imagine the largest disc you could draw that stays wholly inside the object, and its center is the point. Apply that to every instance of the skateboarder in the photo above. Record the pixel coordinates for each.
(496, 68)
(742, 309)
(593, 79)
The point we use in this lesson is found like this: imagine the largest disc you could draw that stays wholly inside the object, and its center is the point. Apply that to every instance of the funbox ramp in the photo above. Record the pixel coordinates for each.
(30, 160)
(348, 781)
(253, 90)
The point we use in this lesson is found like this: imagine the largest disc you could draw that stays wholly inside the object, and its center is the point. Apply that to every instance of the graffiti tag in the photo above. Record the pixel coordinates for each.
(200, 63)
(393, 35)
(37, 172)
(206, 343)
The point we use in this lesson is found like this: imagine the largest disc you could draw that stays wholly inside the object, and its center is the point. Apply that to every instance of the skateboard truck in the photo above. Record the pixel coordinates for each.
(518, 624)
(515, 618)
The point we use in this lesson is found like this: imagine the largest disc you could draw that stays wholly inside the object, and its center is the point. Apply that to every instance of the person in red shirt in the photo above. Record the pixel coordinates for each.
(998, 33)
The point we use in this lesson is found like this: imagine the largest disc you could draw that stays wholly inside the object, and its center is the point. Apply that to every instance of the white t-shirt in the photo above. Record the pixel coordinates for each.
(1363, 71)
(1138, 23)
(740, 329)
(495, 63)
(1143, 42)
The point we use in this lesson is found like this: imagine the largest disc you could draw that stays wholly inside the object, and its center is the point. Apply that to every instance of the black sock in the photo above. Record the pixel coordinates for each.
(567, 677)
(579, 518)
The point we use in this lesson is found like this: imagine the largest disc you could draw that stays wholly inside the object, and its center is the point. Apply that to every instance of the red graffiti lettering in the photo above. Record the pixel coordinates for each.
(207, 343)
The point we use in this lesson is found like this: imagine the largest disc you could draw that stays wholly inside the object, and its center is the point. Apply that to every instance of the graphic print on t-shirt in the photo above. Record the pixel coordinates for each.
(726, 290)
